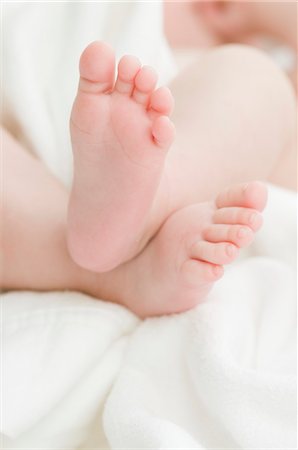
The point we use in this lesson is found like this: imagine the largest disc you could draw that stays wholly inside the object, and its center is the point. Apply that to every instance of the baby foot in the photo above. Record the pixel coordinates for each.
(120, 134)
(180, 265)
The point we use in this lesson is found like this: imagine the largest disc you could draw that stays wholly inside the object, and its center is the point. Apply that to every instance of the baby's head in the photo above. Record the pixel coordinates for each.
(235, 20)
(229, 19)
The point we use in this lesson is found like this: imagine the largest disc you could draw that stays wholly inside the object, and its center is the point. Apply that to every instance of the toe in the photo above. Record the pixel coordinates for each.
(128, 68)
(163, 132)
(145, 82)
(221, 253)
(97, 65)
(238, 235)
(249, 195)
(238, 216)
(199, 273)
(161, 101)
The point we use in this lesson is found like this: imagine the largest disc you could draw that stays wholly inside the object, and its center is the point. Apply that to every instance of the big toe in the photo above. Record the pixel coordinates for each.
(250, 195)
(97, 67)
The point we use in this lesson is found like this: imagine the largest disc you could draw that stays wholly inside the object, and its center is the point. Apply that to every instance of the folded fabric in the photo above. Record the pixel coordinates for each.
(81, 373)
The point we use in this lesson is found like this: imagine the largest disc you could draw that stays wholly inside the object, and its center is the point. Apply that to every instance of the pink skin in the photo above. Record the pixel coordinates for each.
(120, 135)
(180, 265)
(191, 242)
(237, 20)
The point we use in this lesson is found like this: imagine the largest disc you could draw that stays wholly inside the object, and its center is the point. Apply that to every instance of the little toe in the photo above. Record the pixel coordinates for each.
(163, 132)
(249, 195)
(97, 65)
(128, 68)
(238, 235)
(199, 272)
(219, 253)
(145, 82)
(161, 102)
(238, 216)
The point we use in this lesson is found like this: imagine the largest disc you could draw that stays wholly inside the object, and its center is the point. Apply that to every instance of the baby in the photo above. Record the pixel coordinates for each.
(235, 20)
(214, 22)
(264, 24)
(152, 220)
(124, 204)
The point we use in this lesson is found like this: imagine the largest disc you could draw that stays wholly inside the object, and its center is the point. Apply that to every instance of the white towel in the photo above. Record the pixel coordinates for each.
(222, 376)
(61, 354)
(80, 373)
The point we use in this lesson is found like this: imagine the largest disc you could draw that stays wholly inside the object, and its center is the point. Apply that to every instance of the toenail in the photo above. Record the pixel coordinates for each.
(253, 218)
(230, 250)
(243, 232)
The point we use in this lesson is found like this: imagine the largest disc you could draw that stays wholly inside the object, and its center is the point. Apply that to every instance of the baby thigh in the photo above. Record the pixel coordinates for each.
(235, 119)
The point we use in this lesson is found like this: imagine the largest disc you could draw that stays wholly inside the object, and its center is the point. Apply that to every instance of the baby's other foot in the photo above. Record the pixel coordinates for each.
(179, 267)
(120, 134)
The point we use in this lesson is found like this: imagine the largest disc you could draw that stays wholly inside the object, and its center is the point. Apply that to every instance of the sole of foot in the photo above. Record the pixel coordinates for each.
(120, 133)
(180, 265)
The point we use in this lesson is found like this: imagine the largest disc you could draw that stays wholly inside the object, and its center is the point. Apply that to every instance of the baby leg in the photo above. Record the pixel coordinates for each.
(187, 256)
(120, 136)
(33, 246)
(235, 119)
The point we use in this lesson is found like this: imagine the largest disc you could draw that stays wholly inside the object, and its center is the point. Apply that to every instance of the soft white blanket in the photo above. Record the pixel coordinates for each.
(80, 373)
